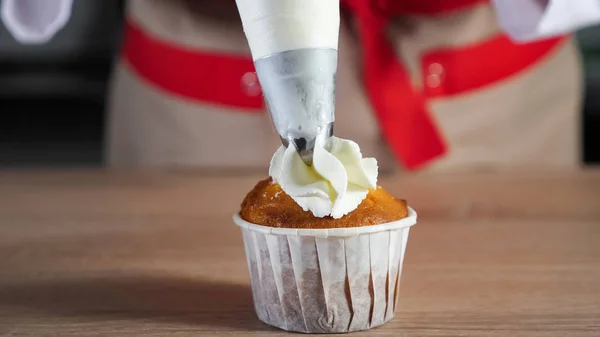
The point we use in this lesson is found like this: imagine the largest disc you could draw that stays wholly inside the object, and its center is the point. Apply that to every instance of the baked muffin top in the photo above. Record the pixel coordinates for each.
(268, 205)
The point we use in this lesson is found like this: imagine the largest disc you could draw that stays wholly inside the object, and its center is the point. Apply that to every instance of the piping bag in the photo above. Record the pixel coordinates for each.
(294, 48)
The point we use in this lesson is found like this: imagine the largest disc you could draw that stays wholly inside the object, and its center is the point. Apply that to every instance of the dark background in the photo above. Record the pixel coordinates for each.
(52, 96)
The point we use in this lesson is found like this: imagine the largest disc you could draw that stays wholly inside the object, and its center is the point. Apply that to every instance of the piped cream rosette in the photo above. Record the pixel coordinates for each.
(337, 182)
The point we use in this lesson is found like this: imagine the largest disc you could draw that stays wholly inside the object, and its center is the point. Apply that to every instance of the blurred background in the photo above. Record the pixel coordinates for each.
(52, 95)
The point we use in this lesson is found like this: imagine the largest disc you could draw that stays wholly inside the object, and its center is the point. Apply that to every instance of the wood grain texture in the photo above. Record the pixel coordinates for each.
(156, 254)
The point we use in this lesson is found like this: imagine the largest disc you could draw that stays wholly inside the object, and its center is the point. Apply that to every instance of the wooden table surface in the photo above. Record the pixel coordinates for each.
(156, 254)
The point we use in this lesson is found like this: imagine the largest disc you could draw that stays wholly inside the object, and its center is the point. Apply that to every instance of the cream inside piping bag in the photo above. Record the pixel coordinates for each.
(275, 26)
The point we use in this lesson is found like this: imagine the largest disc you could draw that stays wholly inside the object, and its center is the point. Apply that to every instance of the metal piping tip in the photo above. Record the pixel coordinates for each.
(299, 88)
(305, 146)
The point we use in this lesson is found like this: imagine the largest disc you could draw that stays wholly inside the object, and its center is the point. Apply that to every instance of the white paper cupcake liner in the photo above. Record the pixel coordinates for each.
(326, 280)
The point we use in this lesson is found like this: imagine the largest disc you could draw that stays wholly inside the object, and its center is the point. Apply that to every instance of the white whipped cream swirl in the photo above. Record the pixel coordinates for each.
(337, 182)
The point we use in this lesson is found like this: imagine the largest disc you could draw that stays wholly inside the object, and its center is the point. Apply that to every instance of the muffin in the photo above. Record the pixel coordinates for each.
(324, 244)
(268, 205)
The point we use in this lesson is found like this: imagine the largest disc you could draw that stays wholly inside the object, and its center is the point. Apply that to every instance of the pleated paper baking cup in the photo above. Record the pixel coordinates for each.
(326, 280)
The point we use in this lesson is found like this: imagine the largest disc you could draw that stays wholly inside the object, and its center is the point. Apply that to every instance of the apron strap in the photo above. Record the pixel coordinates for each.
(401, 109)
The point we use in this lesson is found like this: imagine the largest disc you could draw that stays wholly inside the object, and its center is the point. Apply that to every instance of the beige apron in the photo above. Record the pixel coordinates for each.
(530, 119)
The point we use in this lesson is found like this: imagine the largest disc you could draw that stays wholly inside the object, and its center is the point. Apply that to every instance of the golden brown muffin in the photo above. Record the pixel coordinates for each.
(268, 205)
